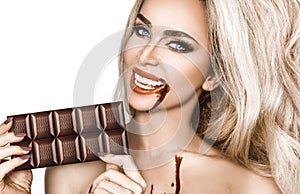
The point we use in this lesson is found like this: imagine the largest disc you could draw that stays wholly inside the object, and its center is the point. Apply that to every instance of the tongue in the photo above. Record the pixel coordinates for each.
(148, 102)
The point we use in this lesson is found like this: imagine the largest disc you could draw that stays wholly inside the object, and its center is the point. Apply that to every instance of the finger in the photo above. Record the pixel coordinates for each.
(113, 187)
(6, 125)
(13, 150)
(11, 138)
(101, 191)
(128, 165)
(120, 179)
(8, 166)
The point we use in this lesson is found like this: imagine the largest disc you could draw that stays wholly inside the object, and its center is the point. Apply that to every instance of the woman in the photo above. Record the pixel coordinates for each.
(245, 54)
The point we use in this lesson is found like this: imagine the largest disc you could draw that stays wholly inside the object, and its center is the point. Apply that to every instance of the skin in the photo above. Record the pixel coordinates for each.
(152, 161)
(12, 181)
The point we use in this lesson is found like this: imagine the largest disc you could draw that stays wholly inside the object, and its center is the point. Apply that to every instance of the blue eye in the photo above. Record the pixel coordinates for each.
(141, 31)
(180, 46)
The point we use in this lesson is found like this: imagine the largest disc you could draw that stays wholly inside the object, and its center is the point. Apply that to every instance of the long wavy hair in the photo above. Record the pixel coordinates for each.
(255, 49)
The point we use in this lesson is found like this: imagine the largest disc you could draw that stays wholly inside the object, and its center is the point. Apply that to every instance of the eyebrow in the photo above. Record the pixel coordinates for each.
(176, 33)
(143, 19)
(173, 33)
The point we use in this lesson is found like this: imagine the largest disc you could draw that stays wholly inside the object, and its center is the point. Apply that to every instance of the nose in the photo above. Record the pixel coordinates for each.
(148, 54)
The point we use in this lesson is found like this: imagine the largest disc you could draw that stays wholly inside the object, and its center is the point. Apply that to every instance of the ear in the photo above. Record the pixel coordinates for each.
(211, 82)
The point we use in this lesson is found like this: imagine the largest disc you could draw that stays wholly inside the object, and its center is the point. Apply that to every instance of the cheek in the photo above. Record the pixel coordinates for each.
(130, 57)
(194, 76)
(188, 71)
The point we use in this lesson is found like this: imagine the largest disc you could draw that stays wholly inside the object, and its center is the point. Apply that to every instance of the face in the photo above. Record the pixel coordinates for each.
(166, 58)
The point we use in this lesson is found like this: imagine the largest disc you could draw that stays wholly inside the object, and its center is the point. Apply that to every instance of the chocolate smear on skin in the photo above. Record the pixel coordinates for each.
(161, 95)
(178, 160)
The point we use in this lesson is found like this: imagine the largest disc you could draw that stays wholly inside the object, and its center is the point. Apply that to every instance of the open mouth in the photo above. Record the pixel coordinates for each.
(146, 83)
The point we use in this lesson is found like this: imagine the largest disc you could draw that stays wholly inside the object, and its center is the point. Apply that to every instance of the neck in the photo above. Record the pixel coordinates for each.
(162, 132)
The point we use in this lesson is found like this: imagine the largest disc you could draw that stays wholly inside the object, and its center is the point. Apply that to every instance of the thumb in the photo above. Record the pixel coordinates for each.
(128, 165)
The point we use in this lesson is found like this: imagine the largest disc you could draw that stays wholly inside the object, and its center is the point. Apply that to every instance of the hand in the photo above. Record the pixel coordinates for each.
(114, 181)
(17, 182)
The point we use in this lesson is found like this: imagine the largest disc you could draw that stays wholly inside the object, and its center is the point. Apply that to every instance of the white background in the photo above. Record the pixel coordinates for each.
(42, 45)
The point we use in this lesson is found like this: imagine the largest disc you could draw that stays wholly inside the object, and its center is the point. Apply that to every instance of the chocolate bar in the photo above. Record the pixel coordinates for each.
(71, 135)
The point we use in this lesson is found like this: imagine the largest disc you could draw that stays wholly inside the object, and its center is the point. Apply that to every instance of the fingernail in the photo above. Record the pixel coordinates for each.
(144, 184)
(101, 154)
(20, 134)
(8, 120)
(25, 157)
(90, 190)
(26, 148)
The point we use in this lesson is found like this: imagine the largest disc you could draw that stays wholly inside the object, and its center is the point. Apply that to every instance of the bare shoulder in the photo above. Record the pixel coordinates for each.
(73, 178)
(203, 174)
(254, 183)
(216, 174)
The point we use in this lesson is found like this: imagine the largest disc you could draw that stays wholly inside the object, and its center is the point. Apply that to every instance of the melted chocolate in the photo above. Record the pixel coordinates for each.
(151, 191)
(178, 160)
(161, 95)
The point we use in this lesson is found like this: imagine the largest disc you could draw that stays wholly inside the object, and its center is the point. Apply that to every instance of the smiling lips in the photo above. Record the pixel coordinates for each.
(146, 83)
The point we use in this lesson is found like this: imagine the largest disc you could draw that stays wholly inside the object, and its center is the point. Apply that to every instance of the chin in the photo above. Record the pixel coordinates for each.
(142, 102)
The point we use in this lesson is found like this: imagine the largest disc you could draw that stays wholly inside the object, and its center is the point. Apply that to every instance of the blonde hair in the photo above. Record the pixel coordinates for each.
(255, 50)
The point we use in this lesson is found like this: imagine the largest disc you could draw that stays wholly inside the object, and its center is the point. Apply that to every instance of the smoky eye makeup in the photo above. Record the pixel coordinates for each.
(176, 41)
(180, 46)
(141, 31)
(142, 26)
(172, 43)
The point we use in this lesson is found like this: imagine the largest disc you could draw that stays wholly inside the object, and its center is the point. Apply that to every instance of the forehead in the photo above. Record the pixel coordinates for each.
(185, 15)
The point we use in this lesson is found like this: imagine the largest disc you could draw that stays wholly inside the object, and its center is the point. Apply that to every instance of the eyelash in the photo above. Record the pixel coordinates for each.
(139, 30)
(177, 45)
(180, 46)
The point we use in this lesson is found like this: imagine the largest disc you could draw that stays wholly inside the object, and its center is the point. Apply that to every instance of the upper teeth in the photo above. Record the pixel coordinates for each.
(146, 81)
